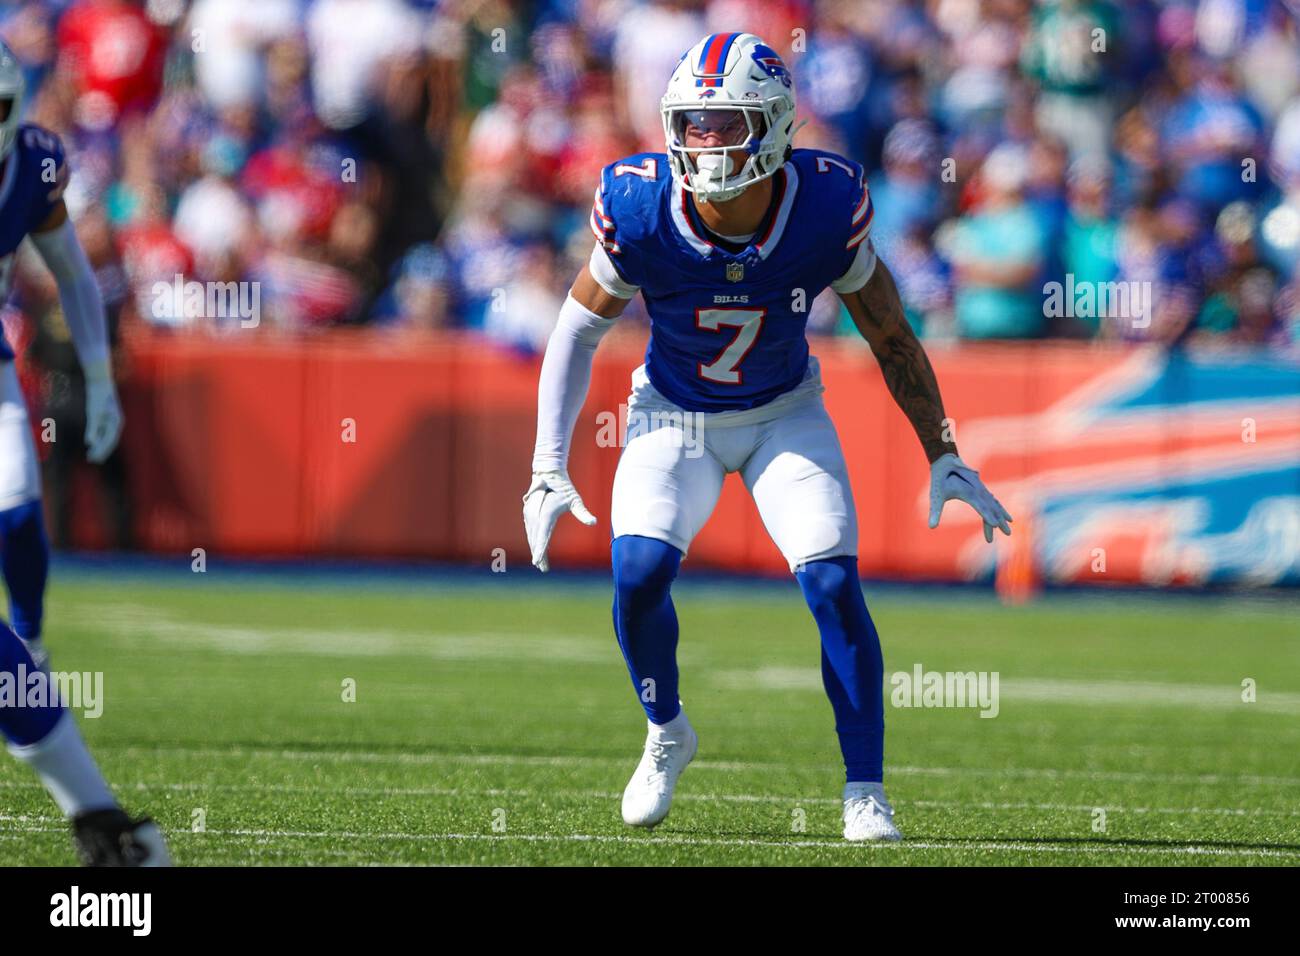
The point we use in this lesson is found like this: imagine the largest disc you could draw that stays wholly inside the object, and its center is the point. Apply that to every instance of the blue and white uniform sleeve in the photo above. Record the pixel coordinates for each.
(51, 169)
(860, 270)
(863, 213)
(617, 205)
(863, 264)
(602, 224)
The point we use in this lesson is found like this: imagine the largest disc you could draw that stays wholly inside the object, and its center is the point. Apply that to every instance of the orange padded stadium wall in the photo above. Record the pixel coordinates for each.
(372, 445)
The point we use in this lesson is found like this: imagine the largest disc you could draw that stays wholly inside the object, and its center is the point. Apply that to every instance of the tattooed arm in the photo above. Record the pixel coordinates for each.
(878, 314)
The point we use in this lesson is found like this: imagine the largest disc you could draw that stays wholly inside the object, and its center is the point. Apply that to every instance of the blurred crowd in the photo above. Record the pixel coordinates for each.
(430, 163)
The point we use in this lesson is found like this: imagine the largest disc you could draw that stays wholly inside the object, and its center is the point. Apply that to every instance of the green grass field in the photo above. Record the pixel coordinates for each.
(494, 724)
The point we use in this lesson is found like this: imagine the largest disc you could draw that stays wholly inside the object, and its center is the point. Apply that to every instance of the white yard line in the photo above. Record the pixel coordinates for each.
(139, 626)
(580, 794)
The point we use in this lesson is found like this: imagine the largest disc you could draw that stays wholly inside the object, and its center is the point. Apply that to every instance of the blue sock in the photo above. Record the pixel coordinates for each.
(26, 724)
(25, 561)
(853, 669)
(646, 622)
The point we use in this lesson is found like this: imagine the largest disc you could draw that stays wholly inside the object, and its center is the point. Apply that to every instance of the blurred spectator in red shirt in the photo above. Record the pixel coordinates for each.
(114, 56)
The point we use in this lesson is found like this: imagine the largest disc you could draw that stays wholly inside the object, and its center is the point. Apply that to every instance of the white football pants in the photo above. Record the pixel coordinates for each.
(788, 454)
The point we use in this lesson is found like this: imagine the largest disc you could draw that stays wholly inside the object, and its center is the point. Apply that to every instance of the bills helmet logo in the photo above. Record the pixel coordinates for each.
(770, 62)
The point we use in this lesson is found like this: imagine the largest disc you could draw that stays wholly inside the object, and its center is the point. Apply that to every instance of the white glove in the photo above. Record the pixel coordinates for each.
(549, 496)
(951, 478)
(103, 415)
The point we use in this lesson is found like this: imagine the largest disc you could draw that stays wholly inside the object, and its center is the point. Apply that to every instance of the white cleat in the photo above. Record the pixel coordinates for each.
(867, 814)
(649, 794)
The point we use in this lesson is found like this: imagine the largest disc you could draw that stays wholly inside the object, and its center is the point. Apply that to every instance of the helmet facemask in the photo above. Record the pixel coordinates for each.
(741, 150)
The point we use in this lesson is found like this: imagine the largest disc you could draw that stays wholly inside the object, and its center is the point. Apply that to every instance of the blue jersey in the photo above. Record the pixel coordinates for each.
(727, 327)
(32, 180)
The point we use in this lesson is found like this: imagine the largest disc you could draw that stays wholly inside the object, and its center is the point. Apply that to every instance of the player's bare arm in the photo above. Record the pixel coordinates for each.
(57, 217)
(587, 292)
(877, 311)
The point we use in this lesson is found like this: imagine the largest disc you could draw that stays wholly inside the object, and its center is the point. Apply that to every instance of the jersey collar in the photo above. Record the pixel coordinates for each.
(787, 184)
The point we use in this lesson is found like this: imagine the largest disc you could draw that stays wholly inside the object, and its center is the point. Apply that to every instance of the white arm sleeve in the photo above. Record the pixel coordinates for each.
(602, 270)
(83, 306)
(562, 387)
(860, 272)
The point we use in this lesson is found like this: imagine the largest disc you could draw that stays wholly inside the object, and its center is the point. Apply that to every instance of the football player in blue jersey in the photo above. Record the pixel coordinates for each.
(728, 236)
(33, 175)
(40, 732)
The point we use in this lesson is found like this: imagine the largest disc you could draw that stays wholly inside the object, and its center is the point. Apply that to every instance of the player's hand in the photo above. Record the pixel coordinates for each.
(950, 478)
(549, 496)
(103, 417)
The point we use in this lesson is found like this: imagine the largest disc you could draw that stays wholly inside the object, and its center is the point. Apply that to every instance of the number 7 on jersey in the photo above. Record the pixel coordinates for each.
(725, 369)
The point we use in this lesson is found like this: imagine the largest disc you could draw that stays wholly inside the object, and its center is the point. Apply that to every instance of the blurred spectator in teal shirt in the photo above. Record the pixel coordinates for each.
(1091, 230)
(998, 255)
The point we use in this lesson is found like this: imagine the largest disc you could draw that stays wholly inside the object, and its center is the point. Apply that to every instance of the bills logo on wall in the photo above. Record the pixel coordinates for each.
(1160, 468)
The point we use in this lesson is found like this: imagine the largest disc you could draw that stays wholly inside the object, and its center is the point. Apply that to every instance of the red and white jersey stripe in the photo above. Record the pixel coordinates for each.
(860, 225)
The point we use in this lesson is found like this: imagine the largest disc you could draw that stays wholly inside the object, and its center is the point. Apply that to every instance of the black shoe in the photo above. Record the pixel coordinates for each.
(111, 838)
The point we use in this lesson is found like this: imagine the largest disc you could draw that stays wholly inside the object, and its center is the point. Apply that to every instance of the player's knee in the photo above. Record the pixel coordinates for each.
(831, 585)
(644, 569)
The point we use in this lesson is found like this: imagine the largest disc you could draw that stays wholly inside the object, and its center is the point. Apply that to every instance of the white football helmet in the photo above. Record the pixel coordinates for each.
(12, 85)
(737, 88)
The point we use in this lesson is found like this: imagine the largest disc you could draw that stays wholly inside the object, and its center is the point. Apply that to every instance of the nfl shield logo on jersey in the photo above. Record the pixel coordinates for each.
(735, 271)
